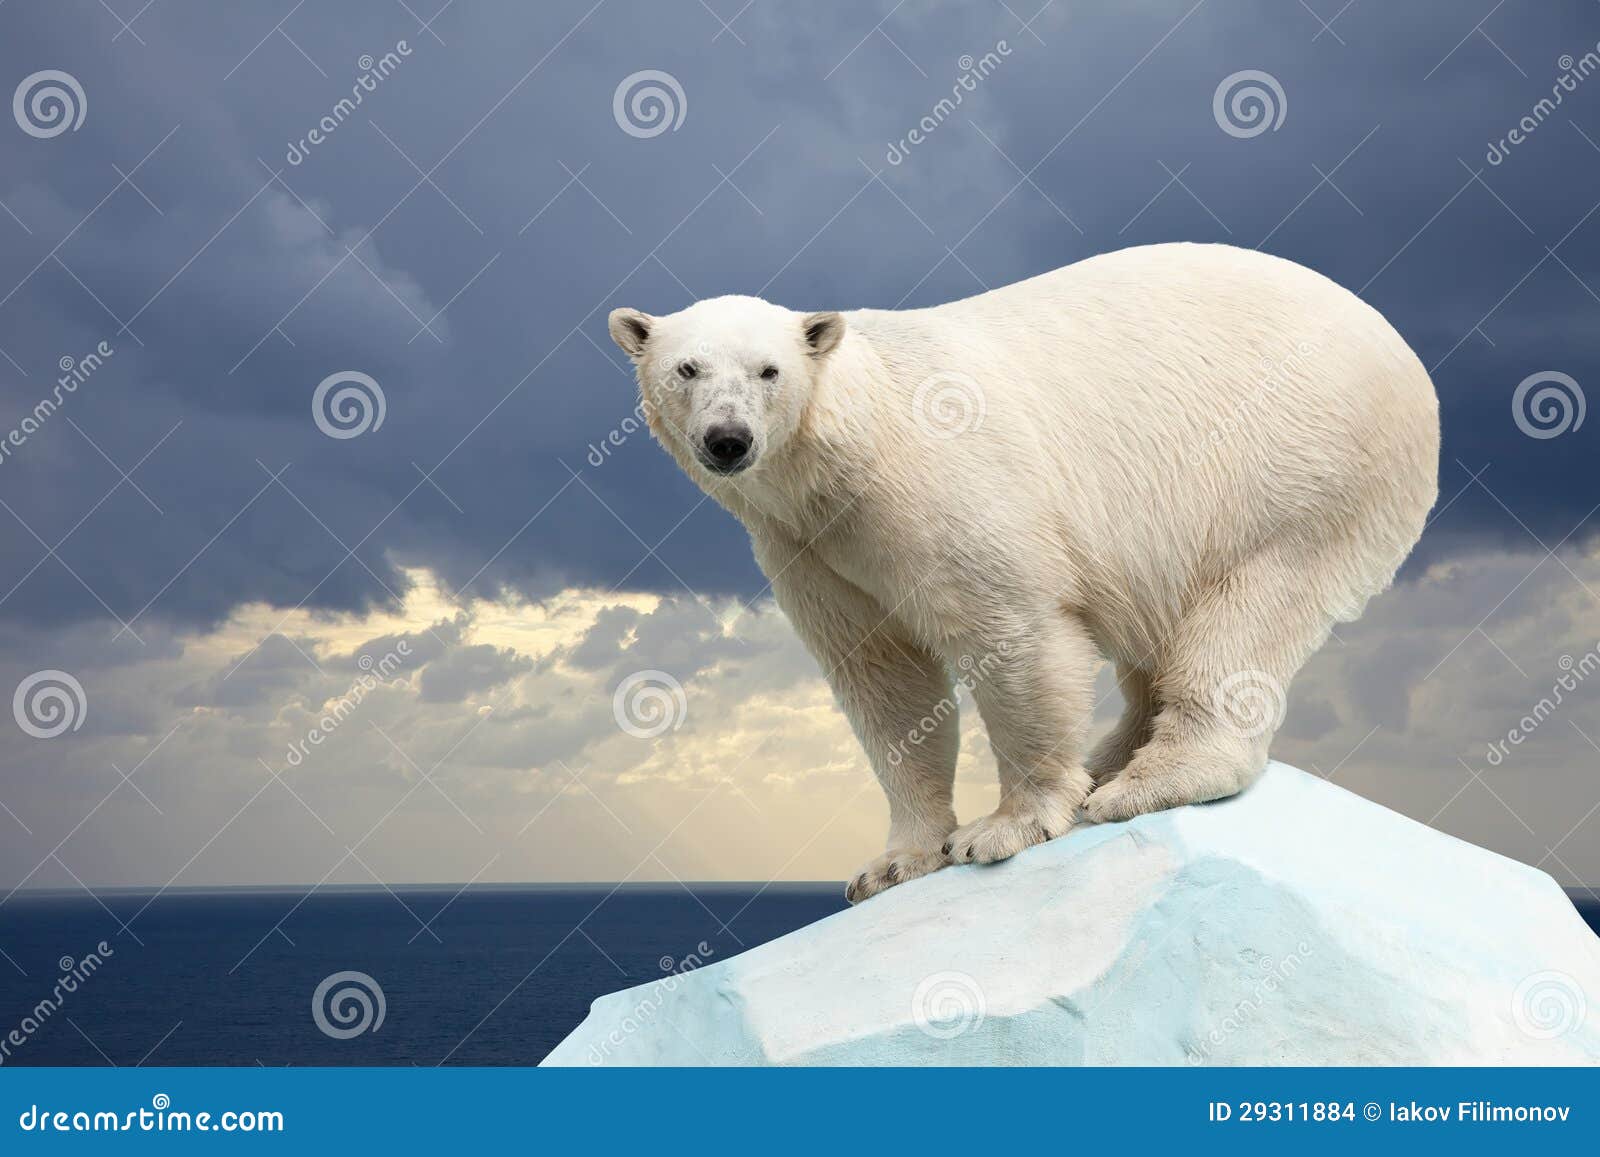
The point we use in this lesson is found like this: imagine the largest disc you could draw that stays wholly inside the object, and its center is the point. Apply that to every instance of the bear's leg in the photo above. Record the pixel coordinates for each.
(900, 702)
(1222, 681)
(1132, 731)
(1035, 690)
(902, 705)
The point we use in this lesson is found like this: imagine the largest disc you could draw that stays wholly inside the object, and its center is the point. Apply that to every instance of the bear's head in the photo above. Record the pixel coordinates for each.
(727, 380)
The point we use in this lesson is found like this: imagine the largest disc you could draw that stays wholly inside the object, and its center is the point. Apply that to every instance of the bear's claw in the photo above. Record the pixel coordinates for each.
(891, 868)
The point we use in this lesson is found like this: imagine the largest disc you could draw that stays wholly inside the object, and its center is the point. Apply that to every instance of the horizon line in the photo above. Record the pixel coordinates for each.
(458, 886)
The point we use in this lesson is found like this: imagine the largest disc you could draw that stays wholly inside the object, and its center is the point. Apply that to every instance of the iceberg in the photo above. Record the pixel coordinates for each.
(1294, 924)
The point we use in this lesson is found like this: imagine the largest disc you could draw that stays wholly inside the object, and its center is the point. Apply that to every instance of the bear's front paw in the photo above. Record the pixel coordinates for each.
(1005, 832)
(891, 868)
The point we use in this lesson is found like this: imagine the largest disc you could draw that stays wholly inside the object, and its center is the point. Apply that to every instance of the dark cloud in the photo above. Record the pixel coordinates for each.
(261, 674)
(464, 671)
(241, 292)
(602, 643)
(414, 647)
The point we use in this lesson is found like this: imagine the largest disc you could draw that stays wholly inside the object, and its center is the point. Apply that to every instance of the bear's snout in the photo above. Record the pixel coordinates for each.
(727, 447)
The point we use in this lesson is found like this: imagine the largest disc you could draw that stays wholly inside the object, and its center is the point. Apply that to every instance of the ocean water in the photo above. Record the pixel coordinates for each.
(227, 977)
(492, 976)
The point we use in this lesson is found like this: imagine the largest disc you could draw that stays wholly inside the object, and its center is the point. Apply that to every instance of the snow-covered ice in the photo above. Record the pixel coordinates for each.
(1297, 923)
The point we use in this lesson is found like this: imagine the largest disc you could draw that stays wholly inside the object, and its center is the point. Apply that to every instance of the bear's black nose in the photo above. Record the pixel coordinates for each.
(727, 447)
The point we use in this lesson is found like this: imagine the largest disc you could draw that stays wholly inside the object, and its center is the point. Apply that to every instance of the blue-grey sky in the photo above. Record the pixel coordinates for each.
(183, 538)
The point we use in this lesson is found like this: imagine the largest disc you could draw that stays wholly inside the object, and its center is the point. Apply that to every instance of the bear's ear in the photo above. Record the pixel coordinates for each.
(823, 331)
(630, 329)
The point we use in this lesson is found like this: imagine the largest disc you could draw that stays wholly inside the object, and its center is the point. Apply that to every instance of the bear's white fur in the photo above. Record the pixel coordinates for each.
(1190, 459)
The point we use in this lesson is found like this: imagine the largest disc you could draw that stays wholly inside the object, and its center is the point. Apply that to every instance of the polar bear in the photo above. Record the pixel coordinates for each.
(1189, 459)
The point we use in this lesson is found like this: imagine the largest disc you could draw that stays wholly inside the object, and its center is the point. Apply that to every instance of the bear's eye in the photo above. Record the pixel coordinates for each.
(770, 374)
(686, 370)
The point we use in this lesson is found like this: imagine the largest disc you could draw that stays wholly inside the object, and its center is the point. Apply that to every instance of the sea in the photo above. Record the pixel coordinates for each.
(487, 975)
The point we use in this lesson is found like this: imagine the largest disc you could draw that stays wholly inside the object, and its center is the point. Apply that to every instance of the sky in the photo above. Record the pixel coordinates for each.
(549, 657)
